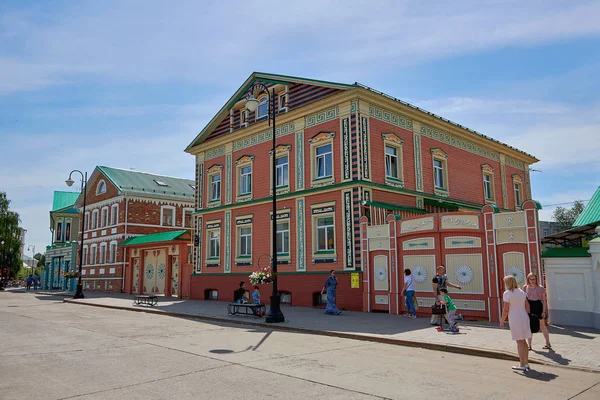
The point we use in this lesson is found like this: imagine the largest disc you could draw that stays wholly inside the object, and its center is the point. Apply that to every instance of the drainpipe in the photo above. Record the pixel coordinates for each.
(124, 249)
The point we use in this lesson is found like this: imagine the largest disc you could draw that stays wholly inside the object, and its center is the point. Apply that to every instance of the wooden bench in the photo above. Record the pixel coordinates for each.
(258, 310)
(143, 299)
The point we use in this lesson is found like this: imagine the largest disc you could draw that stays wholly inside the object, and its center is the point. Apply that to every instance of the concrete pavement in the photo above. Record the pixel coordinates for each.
(571, 347)
(52, 350)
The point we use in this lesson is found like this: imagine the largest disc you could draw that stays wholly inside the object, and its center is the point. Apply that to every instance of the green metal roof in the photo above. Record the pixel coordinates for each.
(64, 200)
(566, 252)
(153, 238)
(132, 181)
(591, 212)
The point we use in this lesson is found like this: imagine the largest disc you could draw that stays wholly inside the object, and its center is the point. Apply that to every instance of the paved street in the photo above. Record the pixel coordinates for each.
(53, 350)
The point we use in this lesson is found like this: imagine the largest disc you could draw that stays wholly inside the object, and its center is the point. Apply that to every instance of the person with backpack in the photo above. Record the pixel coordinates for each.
(409, 291)
(440, 281)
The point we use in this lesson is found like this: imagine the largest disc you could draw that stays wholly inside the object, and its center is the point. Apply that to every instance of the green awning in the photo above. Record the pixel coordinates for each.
(394, 207)
(566, 252)
(154, 238)
(447, 206)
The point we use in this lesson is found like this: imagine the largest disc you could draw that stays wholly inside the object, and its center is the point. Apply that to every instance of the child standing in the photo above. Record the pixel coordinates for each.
(450, 309)
(256, 295)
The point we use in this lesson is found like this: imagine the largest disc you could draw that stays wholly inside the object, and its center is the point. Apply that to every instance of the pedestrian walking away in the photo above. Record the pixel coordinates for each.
(516, 309)
(440, 281)
(409, 292)
(35, 282)
(29, 280)
(538, 305)
(330, 286)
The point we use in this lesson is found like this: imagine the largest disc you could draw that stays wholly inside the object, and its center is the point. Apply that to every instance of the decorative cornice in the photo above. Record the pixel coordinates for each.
(515, 164)
(458, 143)
(264, 136)
(321, 137)
(214, 153)
(387, 116)
(437, 152)
(243, 160)
(320, 117)
(214, 168)
(392, 137)
(516, 178)
(487, 168)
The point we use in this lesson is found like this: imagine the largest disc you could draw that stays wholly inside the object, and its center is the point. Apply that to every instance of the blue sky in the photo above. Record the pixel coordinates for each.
(130, 83)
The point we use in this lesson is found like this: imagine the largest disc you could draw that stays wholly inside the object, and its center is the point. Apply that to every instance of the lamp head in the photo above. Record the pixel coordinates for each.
(69, 182)
(251, 103)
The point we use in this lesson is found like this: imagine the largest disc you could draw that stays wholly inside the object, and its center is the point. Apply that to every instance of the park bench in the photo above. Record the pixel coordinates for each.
(258, 310)
(143, 299)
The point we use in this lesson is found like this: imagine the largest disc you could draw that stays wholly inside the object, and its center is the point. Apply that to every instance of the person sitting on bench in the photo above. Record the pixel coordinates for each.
(238, 295)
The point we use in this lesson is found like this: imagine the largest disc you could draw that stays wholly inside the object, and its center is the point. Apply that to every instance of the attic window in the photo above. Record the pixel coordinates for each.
(193, 186)
(160, 183)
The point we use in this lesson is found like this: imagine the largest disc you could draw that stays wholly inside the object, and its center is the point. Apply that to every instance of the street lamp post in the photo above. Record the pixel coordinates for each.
(69, 182)
(32, 247)
(274, 314)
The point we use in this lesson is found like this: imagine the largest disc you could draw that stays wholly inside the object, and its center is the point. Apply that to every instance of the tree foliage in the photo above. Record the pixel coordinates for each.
(10, 238)
(565, 217)
(41, 259)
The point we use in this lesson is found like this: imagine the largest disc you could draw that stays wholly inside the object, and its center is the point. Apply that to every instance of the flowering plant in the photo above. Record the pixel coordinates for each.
(263, 275)
(71, 274)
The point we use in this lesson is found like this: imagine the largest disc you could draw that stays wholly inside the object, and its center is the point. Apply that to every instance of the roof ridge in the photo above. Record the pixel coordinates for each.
(146, 173)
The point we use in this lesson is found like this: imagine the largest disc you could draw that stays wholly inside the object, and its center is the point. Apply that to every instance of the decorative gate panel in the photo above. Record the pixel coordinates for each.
(175, 277)
(155, 271)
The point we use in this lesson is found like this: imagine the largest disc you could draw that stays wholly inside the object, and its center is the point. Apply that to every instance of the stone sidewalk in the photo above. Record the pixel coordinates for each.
(571, 347)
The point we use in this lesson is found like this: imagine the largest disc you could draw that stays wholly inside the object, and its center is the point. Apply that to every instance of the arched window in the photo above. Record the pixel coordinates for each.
(101, 187)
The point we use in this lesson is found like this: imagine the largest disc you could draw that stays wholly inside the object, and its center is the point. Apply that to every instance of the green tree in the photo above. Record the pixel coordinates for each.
(41, 262)
(10, 240)
(565, 217)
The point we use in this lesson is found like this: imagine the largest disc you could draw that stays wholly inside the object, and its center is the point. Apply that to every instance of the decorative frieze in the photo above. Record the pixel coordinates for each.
(300, 160)
(300, 236)
(348, 229)
(320, 117)
(391, 118)
(346, 150)
(364, 144)
(458, 142)
(228, 178)
(227, 241)
(215, 152)
(515, 164)
(261, 137)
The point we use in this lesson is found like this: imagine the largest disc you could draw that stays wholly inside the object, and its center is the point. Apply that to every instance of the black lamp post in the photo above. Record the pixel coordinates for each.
(79, 292)
(274, 314)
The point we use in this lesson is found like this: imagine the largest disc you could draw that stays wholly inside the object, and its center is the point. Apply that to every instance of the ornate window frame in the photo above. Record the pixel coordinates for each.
(488, 171)
(93, 254)
(517, 181)
(243, 222)
(282, 99)
(393, 141)
(114, 214)
(319, 140)
(95, 218)
(241, 163)
(244, 117)
(104, 217)
(440, 155)
(113, 252)
(85, 255)
(86, 220)
(186, 209)
(211, 172)
(262, 101)
(283, 216)
(102, 254)
(281, 151)
(213, 227)
(319, 211)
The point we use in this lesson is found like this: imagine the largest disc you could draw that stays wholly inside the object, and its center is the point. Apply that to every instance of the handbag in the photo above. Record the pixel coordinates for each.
(438, 309)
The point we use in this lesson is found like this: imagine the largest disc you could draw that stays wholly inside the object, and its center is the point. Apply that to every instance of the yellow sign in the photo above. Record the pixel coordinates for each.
(354, 280)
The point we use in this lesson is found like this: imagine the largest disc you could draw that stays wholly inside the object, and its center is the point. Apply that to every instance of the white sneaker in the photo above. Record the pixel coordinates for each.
(413, 316)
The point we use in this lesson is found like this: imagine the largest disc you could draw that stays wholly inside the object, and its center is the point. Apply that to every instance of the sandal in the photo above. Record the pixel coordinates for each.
(547, 347)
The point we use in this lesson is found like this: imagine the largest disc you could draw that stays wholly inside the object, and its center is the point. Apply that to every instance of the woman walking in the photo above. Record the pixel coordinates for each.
(409, 291)
(536, 296)
(515, 309)
(330, 286)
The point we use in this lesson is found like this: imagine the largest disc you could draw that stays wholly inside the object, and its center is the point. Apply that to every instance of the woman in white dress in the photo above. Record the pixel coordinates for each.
(516, 309)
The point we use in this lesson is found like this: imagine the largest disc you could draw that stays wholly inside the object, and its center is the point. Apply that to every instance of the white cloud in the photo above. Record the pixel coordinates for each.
(201, 43)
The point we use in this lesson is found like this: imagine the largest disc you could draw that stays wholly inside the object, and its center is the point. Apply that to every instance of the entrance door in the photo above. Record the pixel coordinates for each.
(380, 295)
(155, 270)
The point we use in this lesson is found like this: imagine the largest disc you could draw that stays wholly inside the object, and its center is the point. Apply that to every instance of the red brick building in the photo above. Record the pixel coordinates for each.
(343, 152)
(122, 204)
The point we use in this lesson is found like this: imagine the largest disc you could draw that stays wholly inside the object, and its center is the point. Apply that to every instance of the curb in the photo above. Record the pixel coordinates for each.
(471, 351)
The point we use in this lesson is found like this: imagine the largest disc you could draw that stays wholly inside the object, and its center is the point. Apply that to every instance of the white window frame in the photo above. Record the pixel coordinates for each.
(104, 216)
(102, 258)
(442, 158)
(262, 102)
(324, 157)
(280, 234)
(209, 240)
(85, 255)
(113, 250)
(318, 141)
(93, 254)
(173, 212)
(282, 151)
(489, 189)
(245, 174)
(392, 141)
(185, 210)
(282, 100)
(327, 252)
(282, 170)
(95, 218)
(242, 163)
(242, 255)
(86, 220)
(114, 214)
(100, 187)
(518, 191)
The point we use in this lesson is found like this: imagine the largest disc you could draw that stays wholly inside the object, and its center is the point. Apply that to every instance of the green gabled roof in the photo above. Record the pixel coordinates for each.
(566, 252)
(131, 181)
(591, 212)
(64, 199)
(154, 238)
